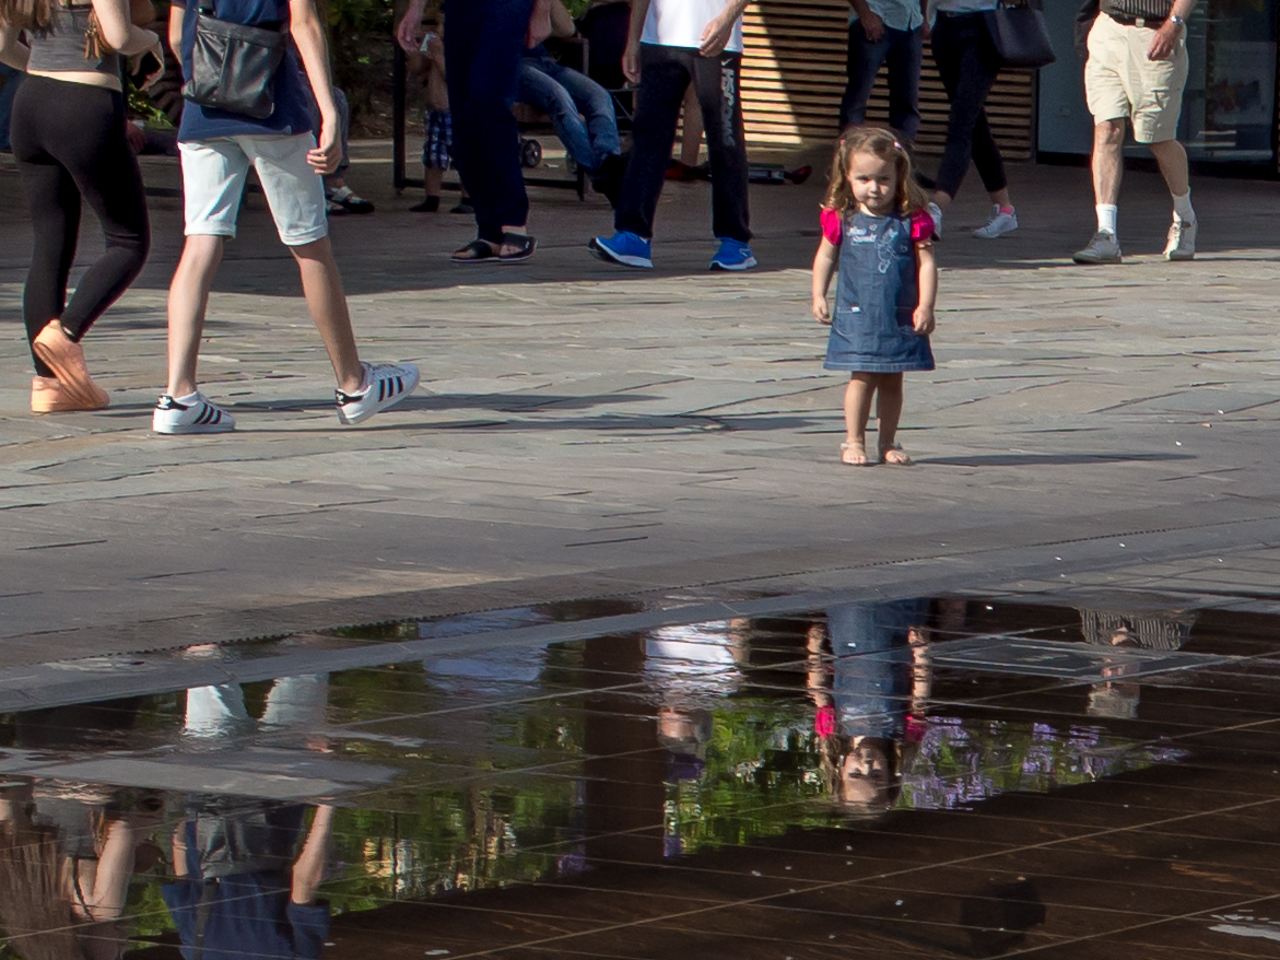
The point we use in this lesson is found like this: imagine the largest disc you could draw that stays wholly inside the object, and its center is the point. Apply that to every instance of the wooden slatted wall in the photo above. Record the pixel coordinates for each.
(793, 76)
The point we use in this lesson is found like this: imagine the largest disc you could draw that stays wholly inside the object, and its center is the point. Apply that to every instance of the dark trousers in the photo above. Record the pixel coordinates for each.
(903, 50)
(483, 45)
(68, 139)
(968, 64)
(665, 75)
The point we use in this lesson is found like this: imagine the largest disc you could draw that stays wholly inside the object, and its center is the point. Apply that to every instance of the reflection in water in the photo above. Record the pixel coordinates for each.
(492, 769)
(239, 891)
(67, 852)
(1130, 629)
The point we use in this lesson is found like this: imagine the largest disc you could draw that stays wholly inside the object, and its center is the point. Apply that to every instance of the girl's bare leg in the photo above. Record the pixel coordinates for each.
(889, 406)
(857, 410)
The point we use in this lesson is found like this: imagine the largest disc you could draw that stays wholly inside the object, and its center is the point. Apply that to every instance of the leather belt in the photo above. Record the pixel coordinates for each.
(1127, 21)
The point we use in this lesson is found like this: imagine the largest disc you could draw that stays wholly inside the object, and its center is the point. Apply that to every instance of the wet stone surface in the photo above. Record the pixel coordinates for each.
(916, 778)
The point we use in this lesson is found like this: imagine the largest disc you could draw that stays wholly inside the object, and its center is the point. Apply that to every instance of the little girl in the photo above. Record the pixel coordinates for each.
(876, 231)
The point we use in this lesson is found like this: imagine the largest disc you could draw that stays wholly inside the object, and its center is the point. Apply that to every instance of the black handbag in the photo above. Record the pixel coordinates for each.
(233, 66)
(1020, 34)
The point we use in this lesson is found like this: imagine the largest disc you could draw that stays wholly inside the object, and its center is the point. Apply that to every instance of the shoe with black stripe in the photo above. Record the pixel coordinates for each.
(386, 384)
(192, 414)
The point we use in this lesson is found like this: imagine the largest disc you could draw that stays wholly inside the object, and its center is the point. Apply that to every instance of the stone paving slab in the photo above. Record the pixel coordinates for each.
(579, 423)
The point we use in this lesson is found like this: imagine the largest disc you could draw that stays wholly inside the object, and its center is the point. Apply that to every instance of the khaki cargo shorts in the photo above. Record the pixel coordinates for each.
(1120, 81)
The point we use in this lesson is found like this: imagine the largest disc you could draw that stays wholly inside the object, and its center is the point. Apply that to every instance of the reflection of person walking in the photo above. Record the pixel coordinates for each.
(878, 235)
(1136, 70)
(68, 136)
(218, 147)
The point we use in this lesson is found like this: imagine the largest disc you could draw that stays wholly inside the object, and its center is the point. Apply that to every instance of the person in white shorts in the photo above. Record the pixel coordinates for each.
(1136, 70)
(217, 148)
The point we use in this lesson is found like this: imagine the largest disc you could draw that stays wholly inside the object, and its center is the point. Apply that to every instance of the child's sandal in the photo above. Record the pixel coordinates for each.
(894, 457)
(859, 455)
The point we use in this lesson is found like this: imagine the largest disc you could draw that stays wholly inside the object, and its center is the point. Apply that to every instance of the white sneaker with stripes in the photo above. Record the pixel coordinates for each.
(194, 414)
(385, 384)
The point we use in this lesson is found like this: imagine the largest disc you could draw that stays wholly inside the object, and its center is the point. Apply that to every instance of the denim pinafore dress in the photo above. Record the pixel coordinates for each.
(876, 295)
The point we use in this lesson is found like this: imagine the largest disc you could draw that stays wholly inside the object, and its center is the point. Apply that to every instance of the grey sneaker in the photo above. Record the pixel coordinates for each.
(997, 225)
(1103, 248)
(1181, 244)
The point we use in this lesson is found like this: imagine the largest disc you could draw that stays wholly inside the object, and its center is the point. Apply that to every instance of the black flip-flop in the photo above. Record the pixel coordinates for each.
(524, 244)
(479, 251)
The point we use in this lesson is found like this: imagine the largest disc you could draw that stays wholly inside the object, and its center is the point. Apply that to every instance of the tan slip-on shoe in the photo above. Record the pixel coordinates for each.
(66, 359)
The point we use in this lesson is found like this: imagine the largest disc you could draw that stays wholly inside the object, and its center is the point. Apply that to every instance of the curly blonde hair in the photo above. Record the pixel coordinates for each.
(879, 142)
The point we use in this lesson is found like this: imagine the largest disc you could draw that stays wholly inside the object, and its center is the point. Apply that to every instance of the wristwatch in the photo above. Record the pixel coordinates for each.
(1177, 21)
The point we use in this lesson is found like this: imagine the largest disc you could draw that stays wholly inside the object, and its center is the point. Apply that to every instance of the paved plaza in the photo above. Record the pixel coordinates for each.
(584, 431)
(592, 648)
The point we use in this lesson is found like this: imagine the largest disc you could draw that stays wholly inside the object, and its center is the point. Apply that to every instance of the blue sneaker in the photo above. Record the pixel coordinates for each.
(733, 255)
(624, 248)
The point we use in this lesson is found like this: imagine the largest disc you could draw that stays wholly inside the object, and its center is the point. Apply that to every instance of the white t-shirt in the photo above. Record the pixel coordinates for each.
(679, 23)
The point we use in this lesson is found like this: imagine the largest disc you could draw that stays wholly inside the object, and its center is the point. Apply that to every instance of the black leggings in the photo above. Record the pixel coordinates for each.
(68, 139)
(968, 65)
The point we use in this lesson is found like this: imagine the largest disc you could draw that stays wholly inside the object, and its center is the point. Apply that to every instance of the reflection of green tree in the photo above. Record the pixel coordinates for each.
(759, 780)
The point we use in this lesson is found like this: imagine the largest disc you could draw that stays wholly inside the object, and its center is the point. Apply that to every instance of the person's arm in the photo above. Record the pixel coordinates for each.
(408, 30)
(718, 33)
(1167, 37)
(308, 871)
(13, 52)
(562, 24)
(116, 30)
(923, 320)
(631, 55)
(308, 37)
(824, 268)
(872, 25)
(177, 13)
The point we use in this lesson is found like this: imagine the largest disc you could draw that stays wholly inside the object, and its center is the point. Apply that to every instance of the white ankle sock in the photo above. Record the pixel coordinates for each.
(1107, 218)
(1182, 208)
(188, 400)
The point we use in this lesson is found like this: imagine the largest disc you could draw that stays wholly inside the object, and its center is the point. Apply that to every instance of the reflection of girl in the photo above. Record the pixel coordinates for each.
(64, 876)
(868, 695)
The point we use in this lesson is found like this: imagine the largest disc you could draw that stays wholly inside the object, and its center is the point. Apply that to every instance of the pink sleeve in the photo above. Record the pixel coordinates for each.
(832, 226)
(922, 227)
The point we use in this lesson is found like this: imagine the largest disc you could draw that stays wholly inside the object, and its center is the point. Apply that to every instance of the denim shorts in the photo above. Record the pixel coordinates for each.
(213, 177)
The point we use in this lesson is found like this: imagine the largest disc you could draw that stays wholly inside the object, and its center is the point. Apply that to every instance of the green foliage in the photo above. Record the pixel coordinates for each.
(141, 106)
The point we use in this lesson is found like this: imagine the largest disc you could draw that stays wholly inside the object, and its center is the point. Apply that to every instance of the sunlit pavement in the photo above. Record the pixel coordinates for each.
(588, 431)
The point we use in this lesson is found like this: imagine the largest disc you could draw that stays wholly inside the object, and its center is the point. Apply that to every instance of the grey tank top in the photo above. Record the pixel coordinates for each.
(60, 49)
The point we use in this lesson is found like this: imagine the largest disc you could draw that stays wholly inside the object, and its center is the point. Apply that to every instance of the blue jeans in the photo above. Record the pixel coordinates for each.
(563, 94)
(904, 52)
(12, 78)
(665, 75)
(483, 46)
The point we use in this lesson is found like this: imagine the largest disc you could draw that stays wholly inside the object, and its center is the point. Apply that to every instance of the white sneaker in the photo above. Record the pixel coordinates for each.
(935, 211)
(386, 384)
(1181, 244)
(197, 415)
(1103, 248)
(998, 224)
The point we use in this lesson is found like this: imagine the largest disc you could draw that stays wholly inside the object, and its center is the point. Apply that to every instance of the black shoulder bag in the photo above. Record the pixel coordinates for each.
(1020, 34)
(234, 65)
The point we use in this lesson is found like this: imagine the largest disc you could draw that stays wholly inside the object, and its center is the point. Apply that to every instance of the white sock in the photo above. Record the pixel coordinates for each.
(1182, 208)
(1107, 218)
(188, 400)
